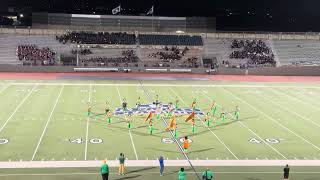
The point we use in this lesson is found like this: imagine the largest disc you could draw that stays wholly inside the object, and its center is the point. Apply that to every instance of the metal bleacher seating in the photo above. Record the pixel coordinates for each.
(305, 52)
(178, 40)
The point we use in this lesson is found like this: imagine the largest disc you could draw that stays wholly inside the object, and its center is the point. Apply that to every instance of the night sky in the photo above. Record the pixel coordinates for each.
(236, 15)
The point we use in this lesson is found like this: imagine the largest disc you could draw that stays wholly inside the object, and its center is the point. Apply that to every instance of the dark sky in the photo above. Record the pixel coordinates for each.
(278, 15)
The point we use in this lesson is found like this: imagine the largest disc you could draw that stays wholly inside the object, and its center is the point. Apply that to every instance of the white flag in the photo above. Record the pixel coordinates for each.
(150, 11)
(116, 10)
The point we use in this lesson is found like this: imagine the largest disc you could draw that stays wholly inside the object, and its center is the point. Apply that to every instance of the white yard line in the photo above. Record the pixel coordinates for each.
(295, 98)
(208, 128)
(132, 142)
(171, 85)
(17, 108)
(87, 132)
(273, 148)
(291, 111)
(254, 133)
(5, 87)
(48, 121)
(172, 135)
(272, 119)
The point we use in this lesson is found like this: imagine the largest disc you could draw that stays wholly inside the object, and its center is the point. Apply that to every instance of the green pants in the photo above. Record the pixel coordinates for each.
(214, 110)
(208, 122)
(236, 114)
(175, 134)
(223, 118)
(151, 128)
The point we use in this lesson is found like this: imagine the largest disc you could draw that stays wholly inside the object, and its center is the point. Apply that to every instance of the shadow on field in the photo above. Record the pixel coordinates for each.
(139, 170)
(234, 121)
(128, 177)
(175, 172)
(199, 133)
(165, 150)
(250, 178)
(201, 150)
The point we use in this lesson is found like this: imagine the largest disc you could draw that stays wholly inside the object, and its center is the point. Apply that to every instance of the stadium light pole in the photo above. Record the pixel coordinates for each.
(78, 55)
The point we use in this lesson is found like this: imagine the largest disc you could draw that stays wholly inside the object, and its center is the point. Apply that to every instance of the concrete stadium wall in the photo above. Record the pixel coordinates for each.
(272, 71)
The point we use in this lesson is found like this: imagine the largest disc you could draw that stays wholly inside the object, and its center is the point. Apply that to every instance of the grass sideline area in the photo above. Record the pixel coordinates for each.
(221, 173)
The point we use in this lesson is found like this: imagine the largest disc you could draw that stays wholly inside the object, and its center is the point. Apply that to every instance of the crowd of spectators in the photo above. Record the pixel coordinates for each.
(4, 21)
(175, 40)
(128, 56)
(192, 62)
(97, 38)
(170, 54)
(256, 51)
(81, 51)
(129, 39)
(32, 53)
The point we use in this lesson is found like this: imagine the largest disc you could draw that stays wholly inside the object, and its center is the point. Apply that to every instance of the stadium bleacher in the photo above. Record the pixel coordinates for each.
(255, 51)
(298, 52)
(97, 38)
(149, 48)
(10, 42)
(178, 40)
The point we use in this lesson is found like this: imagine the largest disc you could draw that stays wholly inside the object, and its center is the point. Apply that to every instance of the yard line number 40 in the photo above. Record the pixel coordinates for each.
(4, 141)
(268, 140)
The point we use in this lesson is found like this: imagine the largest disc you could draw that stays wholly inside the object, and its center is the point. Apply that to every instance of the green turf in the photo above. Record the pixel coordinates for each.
(284, 115)
(221, 173)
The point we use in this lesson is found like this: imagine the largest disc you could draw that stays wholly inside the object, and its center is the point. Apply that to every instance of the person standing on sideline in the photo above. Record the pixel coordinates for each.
(181, 174)
(286, 172)
(121, 162)
(161, 162)
(207, 174)
(104, 169)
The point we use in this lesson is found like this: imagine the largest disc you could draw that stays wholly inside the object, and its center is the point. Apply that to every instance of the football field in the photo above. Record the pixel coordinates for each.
(47, 121)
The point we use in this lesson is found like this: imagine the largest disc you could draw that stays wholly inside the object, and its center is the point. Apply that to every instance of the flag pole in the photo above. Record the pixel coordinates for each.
(152, 17)
(119, 18)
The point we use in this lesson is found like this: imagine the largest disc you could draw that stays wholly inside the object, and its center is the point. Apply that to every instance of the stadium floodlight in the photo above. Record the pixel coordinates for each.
(180, 32)
(21, 15)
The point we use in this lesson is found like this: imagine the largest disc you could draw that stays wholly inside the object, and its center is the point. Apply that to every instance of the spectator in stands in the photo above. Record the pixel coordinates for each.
(256, 51)
(97, 38)
(181, 174)
(170, 54)
(207, 174)
(176, 40)
(161, 162)
(4, 21)
(104, 169)
(121, 164)
(286, 171)
(33, 53)
(128, 57)
(81, 51)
